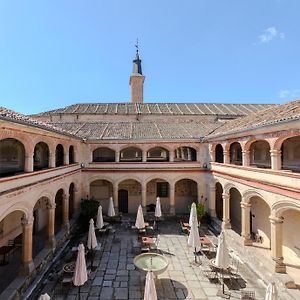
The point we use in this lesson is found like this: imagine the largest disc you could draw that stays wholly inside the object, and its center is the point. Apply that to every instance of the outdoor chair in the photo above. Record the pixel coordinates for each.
(248, 295)
(154, 247)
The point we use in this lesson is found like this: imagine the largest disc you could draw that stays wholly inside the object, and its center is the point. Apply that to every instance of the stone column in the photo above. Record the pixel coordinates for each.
(172, 199)
(246, 158)
(275, 159)
(144, 156)
(171, 156)
(226, 211)
(29, 162)
(276, 244)
(226, 156)
(27, 262)
(212, 201)
(117, 156)
(66, 157)
(77, 201)
(246, 232)
(66, 223)
(212, 154)
(116, 197)
(199, 193)
(51, 225)
(52, 159)
(144, 197)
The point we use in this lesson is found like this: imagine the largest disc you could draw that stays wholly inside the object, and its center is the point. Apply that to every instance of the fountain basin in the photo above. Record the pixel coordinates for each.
(151, 262)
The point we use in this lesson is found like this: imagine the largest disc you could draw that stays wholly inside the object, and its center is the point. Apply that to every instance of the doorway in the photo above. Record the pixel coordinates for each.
(123, 201)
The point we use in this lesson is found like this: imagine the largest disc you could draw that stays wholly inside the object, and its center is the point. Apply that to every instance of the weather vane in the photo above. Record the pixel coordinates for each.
(137, 45)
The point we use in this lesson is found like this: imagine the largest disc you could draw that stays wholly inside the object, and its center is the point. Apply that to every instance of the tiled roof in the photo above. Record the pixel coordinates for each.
(158, 109)
(269, 116)
(12, 116)
(138, 130)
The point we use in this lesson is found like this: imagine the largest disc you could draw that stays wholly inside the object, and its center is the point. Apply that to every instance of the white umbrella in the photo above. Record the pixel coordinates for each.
(158, 213)
(99, 221)
(150, 290)
(191, 215)
(44, 297)
(92, 240)
(80, 273)
(271, 293)
(140, 223)
(111, 210)
(194, 238)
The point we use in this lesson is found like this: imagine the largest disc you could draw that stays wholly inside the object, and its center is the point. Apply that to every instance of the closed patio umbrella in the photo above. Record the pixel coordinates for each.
(271, 293)
(194, 238)
(140, 223)
(111, 210)
(80, 274)
(99, 221)
(158, 213)
(44, 297)
(150, 290)
(92, 240)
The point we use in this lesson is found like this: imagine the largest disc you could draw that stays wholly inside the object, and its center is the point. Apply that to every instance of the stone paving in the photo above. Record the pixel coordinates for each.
(115, 276)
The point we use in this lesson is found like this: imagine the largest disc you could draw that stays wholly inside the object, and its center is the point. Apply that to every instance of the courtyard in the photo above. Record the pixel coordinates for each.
(115, 276)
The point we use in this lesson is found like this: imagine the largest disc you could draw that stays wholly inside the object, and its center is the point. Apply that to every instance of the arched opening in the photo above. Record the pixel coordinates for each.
(59, 210)
(219, 154)
(185, 195)
(40, 221)
(12, 157)
(157, 154)
(71, 155)
(185, 154)
(103, 155)
(260, 223)
(158, 188)
(235, 151)
(131, 155)
(134, 190)
(71, 200)
(290, 153)
(101, 191)
(59, 155)
(291, 243)
(11, 233)
(40, 156)
(260, 154)
(235, 210)
(219, 201)
(123, 201)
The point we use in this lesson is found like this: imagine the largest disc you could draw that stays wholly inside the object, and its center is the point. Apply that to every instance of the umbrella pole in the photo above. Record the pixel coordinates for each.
(92, 259)
(79, 292)
(195, 255)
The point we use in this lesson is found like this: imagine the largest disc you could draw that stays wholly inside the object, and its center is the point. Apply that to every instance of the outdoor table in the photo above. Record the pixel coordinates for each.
(187, 225)
(147, 240)
(146, 224)
(69, 267)
(4, 251)
(206, 242)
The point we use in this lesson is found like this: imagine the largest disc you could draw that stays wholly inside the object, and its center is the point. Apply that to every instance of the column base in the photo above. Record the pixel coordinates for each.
(280, 267)
(116, 208)
(172, 210)
(144, 208)
(226, 225)
(51, 242)
(27, 268)
(248, 242)
(66, 227)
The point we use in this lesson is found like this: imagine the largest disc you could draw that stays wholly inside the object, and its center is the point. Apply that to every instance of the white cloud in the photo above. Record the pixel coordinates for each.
(291, 94)
(270, 34)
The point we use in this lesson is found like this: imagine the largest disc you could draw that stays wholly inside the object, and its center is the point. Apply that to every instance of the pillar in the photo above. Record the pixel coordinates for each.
(144, 156)
(144, 197)
(199, 193)
(66, 223)
(212, 154)
(27, 266)
(52, 159)
(172, 199)
(276, 243)
(226, 156)
(117, 156)
(116, 197)
(246, 158)
(226, 211)
(29, 162)
(212, 201)
(246, 231)
(171, 156)
(77, 201)
(51, 225)
(275, 159)
(66, 156)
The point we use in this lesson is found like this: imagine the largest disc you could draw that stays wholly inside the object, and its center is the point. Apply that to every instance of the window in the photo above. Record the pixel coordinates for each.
(162, 189)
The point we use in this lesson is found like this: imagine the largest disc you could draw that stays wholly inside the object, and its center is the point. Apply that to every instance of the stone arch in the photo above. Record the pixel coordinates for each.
(100, 177)
(131, 154)
(165, 146)
(219, 200)
(249, 194)
(290, 153)
(219, 153)
(16, 207)
(160, 176)
(235, 153)
(72, 154)
(279, 141)
(235, 199)
(228, 186)
(103, 154)
(131, 177)
(41, 156)
(59, 155)
(185, 153)
(281, 206)
(260, 153)
(158, 154)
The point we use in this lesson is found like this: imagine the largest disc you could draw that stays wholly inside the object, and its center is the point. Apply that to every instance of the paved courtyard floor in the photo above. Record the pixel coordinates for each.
(115, 276)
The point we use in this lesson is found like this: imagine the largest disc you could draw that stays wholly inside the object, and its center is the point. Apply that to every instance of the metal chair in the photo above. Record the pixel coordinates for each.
(248, 295)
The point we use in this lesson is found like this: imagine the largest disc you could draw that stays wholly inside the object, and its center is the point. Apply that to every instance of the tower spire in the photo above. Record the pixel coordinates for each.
(137, 63)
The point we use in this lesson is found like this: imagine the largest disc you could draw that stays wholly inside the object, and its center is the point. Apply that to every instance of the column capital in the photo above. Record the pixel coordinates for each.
(225, 196)
(65, 197)
(27, 220)
(275, 152)
(245, 151)
(245, 205)
(51, 205)
(276, 220)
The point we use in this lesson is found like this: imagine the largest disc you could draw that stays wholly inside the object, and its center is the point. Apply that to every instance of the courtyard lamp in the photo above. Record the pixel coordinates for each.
(111, 210)
(271, 293)
(99, 220)
(150, 290)
(80, 274)
(92, 240)
(194, 238)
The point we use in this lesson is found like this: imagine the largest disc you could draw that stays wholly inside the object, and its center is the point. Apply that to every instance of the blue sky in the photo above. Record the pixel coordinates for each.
(56, 53)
